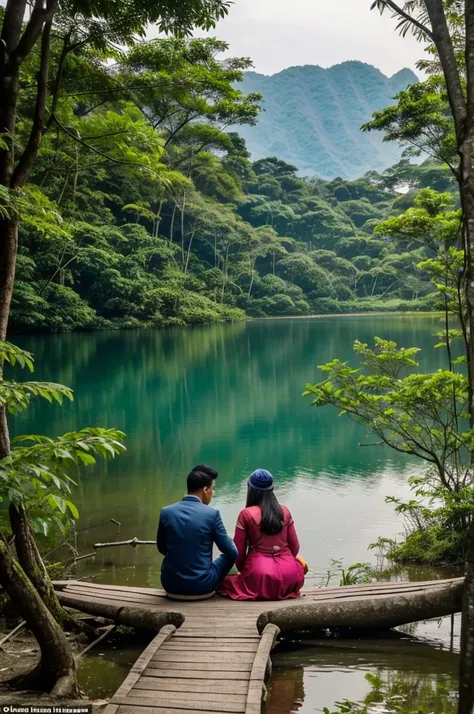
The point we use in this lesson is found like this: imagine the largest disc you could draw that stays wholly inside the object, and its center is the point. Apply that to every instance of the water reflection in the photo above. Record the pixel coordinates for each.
(307, 678)
(229, 395)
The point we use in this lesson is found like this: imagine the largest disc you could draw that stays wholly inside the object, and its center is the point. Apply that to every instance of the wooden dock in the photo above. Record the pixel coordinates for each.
(218, 660)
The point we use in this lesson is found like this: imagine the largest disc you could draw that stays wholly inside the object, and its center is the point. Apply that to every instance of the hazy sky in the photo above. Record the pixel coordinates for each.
(281, 33)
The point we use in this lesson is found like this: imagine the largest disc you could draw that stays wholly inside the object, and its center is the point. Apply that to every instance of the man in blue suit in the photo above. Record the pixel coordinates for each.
(186, 533)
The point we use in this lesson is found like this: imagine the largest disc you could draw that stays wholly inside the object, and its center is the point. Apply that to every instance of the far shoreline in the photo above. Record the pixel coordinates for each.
(346, 314)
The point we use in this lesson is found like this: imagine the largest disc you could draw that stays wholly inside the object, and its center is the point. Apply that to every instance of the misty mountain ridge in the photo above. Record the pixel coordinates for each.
(312, 117)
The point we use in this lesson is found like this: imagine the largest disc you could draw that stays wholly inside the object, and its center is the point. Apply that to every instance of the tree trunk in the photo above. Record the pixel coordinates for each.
(366, 611)
(32, 564)
(56, 672)
(467, 202)
(466, 680)
(138, 617)
(8, 251)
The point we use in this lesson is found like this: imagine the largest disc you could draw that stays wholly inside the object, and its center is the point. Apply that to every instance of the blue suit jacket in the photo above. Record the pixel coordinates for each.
(187, 531)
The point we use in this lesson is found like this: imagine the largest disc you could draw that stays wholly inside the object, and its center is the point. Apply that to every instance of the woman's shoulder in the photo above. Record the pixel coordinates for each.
(286, 514)
(250, 513)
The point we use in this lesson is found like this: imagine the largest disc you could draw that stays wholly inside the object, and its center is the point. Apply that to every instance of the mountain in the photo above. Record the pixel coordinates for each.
(312, 118)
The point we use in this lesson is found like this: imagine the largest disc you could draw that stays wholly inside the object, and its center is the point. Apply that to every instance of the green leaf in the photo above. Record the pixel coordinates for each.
(73, 509)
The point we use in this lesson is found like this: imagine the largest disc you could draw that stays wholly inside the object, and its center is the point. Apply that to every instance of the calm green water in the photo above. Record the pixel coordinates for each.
(230, 396)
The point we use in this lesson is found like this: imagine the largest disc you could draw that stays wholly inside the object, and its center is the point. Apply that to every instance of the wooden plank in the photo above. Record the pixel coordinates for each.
(308, 592)
(231, 685)
(158, 710)
(103, 586)
(142, 662)
(204, 674)
(382, 592)
(253, 704)
(185, 697)
(71, 586)
(111, 709)
(129, 598)
(244, 629)
(192, 633)
(259, 667)
(224, 616)
(62, 584)
(225, 639)
(198, 667)
(206, 705)
(206, 658)
(203, 646)
(77, 599)
(190, 628)
(245, 606)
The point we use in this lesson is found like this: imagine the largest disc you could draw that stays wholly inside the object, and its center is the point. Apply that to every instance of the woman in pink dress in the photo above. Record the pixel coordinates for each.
(266, 539)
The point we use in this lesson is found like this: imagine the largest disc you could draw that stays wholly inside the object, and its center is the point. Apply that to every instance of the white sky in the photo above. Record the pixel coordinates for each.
(282, 33)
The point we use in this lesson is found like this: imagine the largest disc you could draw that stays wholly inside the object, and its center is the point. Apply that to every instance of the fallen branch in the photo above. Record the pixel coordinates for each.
(82, 557)
(12, 633)
(133, 542)
(107, 631)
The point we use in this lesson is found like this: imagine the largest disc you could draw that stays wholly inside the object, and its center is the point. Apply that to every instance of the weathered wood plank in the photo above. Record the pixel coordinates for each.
(121, 596)
(205, 658)
(186, 697)
(207, 705)
(253, 639)
(142, 662)
(375, 592)
(223, 686)
(111, 709)
(204, 674)
(62, 584)
(215, 646)
(259, 667)
(186, 633)
(126, 709)
(199, 667)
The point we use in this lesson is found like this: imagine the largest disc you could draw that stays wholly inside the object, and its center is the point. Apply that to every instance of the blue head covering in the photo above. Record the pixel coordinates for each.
(261, 479)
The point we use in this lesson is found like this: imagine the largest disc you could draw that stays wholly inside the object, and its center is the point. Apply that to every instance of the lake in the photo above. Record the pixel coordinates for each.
(230, 396)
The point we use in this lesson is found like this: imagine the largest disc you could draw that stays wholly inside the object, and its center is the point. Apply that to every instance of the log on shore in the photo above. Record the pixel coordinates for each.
(138, 617)
(373, 612)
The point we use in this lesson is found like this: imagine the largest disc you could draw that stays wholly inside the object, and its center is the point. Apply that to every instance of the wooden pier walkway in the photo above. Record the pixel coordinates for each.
(218, 660)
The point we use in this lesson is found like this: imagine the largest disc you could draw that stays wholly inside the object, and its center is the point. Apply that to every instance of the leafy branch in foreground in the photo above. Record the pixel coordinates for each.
(36, 480)
(423, 415)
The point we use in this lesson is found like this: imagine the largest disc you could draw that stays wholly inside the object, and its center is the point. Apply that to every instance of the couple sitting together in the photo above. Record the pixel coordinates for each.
(265, 547)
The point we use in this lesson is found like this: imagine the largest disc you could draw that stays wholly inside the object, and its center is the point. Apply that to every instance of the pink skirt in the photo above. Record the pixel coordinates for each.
(265, 577)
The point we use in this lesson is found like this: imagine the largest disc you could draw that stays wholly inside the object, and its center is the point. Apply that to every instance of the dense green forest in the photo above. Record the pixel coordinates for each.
(145, 209)
(312, 117)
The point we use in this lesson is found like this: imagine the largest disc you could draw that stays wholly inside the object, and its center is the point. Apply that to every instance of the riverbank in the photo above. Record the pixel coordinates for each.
(374, 313)
(226, 314)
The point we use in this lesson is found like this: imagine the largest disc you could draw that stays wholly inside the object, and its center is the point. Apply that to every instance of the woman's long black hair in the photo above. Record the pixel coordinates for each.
(272, 513)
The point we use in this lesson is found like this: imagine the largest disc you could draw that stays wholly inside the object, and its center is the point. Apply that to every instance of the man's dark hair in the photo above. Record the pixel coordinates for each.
(200, 477)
